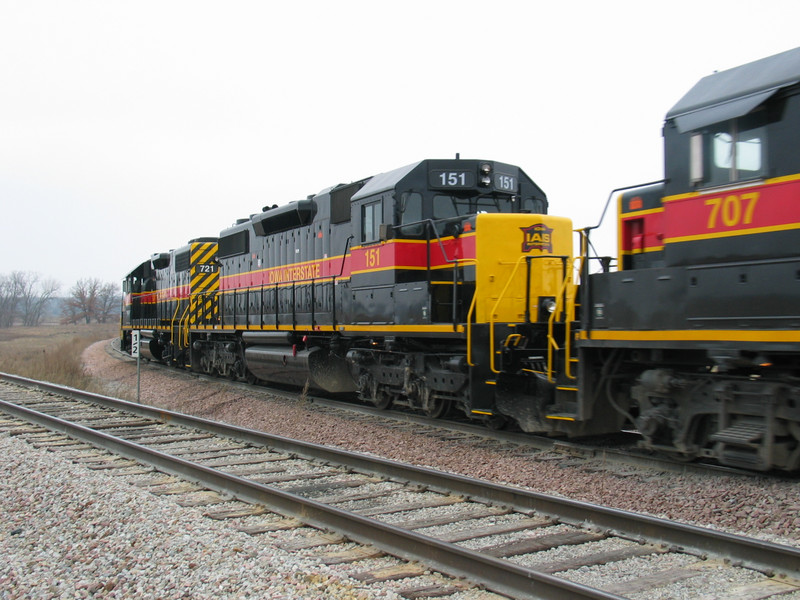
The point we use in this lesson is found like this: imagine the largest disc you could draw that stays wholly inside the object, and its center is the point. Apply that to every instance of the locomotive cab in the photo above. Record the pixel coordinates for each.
(414, 254)
(137, 303)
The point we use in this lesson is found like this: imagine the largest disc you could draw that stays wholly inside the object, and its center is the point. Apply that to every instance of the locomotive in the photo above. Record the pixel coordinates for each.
(397, 287)
(698, 330)
(445, 285)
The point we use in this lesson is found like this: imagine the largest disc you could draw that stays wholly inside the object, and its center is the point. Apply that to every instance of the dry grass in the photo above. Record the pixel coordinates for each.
(51, 352)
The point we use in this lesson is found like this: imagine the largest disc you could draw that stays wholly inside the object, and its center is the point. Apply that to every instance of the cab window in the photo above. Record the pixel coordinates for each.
(447, 207)
(735, 151)
(371, 219)
(411, 214)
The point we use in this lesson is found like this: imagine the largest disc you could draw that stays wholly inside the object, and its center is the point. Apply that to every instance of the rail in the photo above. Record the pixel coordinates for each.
(499, 575)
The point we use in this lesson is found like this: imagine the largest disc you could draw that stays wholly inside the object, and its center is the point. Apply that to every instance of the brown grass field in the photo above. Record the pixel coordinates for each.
(52, 352)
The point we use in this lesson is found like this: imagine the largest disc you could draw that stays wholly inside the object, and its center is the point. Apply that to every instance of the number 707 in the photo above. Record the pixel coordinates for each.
(732, 210)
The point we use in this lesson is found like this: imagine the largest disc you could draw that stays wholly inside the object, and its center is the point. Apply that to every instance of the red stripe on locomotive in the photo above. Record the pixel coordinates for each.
(741, 211)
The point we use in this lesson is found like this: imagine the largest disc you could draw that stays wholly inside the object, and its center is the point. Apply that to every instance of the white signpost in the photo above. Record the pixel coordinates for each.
(135, 343)
(135, 340)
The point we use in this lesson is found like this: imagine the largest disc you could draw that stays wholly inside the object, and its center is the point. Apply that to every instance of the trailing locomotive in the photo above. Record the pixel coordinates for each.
(417, 287)
(445, 285)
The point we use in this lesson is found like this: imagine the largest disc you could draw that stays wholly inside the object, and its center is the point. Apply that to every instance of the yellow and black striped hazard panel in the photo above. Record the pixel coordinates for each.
(204, 271)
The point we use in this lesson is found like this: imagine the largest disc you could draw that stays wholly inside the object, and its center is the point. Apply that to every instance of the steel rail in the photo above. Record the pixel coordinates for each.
(497, 575)
(760, 555)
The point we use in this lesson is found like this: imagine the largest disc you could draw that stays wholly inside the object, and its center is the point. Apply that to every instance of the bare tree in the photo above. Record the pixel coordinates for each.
(34, 296)
(108, 299)
(9, 298)
(21, 297)
(81, 305)
(90, 299)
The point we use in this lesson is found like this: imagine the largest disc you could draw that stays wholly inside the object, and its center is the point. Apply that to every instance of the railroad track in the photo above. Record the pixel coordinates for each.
(513, 542)
(607, 456)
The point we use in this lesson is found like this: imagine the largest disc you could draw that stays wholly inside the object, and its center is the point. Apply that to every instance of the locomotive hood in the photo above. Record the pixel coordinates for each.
(384, 181)
(735, 92)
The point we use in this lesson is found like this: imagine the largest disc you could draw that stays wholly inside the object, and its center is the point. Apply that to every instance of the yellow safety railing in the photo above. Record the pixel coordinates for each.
(179, 326)
(493, 312)
(552, 344)
(184, 326)
(562, 298)
(173, 329)
(469, 327)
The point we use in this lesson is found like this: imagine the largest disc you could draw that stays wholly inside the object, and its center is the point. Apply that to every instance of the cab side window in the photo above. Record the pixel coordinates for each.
(371, 219)
(733, 151)
(411, 214)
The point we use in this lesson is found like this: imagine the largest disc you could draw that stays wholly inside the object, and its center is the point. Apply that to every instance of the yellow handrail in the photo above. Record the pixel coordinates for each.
(551, 341)
(469, 327)
(184, 325)
(173, 331)
(494, 308)
(570, 316)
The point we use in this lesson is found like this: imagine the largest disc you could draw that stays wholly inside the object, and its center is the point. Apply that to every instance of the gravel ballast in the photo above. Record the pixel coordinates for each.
(68, 532)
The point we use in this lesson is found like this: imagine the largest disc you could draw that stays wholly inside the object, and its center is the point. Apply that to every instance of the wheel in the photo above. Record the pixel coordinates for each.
(683, 457)
(436, 408)
(236, 370)
(382, 401)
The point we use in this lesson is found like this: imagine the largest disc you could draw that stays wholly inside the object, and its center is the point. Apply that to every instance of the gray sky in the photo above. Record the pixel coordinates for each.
(127, 128)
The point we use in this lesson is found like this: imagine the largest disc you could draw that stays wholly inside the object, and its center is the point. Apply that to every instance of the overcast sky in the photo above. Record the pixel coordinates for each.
(127, 128)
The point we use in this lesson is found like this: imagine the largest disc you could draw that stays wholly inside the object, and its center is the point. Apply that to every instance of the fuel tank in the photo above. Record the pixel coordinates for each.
(149, 347)
(317, 366)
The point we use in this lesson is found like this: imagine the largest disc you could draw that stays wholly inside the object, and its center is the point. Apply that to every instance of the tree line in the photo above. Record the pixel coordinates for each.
(26, 299)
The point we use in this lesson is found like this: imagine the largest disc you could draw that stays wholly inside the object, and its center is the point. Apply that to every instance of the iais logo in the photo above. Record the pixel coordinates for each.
(537, 237)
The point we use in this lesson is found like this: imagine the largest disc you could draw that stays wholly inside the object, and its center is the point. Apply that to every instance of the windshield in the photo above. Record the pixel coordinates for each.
(448, 210)
(448, 207)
